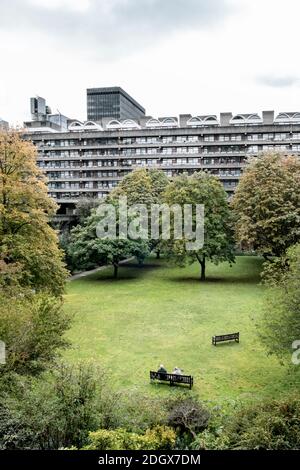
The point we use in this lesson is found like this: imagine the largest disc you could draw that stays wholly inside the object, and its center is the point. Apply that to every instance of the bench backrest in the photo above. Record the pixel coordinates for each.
(225, 337)
(170, 377)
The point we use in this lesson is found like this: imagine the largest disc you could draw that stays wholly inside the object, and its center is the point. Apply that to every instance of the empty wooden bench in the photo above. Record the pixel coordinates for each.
(230, 337)
(172, 378)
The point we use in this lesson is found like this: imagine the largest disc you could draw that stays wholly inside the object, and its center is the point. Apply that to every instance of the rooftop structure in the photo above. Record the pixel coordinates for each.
(112, 102)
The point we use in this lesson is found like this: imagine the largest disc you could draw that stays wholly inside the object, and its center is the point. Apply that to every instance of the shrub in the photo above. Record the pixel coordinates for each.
(188, 416)
(271, 425)
(157, 438)
(14, 434)
(56, 410)
(32, 328)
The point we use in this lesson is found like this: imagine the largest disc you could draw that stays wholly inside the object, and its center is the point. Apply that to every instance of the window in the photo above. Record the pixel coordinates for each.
(152, 151)
(181, 161)
(180, 138)
(281, 136)
(268, 136)
(252, 149)
(192, 138)
(224, 138)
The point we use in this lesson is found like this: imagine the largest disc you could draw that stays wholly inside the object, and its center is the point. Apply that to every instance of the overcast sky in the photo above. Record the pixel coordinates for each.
(173, 56)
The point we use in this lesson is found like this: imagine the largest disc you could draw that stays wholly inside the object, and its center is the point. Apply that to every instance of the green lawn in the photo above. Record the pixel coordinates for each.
(164, 314)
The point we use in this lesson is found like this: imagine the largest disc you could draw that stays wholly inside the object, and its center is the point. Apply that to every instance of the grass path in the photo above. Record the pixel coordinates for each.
(164, 314)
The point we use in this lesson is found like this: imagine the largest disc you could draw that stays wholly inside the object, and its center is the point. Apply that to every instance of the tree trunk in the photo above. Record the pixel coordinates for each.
(116, 266)
(202, 264)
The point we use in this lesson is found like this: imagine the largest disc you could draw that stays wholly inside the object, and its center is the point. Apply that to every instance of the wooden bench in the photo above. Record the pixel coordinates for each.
(172, 378)
(229, 337)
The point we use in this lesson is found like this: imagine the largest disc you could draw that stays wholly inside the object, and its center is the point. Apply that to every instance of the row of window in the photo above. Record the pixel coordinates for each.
(173, 150)
(141, 162)
(170, 139)
(78, 176)
(82, 185)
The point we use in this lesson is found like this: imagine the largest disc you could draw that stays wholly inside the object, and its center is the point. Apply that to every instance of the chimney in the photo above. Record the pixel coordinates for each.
(183, 119)
(268, 117)
(225, 118)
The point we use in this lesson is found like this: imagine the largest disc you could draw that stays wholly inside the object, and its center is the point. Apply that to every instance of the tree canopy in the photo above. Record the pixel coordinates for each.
(142, 186)
(267, 204)
(203, 188)
(281, 321)
(29, 253)
(88, 250)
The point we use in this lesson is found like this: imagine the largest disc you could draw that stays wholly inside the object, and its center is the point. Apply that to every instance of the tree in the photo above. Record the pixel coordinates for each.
(281, 319)
(267, 204)
(84, 208)
(202, 188)
(28, 245)
(141, 186)
(32, 327)
(88, 250)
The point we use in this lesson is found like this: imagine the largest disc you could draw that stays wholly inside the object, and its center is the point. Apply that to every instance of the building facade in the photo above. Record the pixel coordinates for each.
(112, 102)
(91, 158)
(4, 125)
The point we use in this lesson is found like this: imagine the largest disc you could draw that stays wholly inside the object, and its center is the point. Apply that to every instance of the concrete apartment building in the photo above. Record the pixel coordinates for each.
(90, 158)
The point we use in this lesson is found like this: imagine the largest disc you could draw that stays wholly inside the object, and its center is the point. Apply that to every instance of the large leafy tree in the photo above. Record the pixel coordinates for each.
(87, 249)
(29, 253)
(203, 188)
(281, 321)
(142, 186)
(32, 327)
(267, 204)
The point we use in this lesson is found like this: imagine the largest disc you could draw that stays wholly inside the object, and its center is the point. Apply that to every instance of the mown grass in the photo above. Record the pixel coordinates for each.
(161, 314)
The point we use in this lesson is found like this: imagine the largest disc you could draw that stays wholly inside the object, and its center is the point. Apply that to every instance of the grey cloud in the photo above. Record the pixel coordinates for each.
(126, 25)
(278, 81)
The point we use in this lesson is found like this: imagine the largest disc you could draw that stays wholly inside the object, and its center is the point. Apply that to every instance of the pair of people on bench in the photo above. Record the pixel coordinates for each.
(163, 370)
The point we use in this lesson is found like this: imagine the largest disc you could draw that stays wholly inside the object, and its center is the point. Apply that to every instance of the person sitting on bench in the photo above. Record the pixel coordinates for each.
(177, 371)
(162, 370)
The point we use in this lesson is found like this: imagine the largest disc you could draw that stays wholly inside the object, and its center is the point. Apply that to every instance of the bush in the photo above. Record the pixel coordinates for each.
(32, 327)
(157, 438)
(137, 412)
(14, 434)
(272, 425)
(58, 409)
(188, 416)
